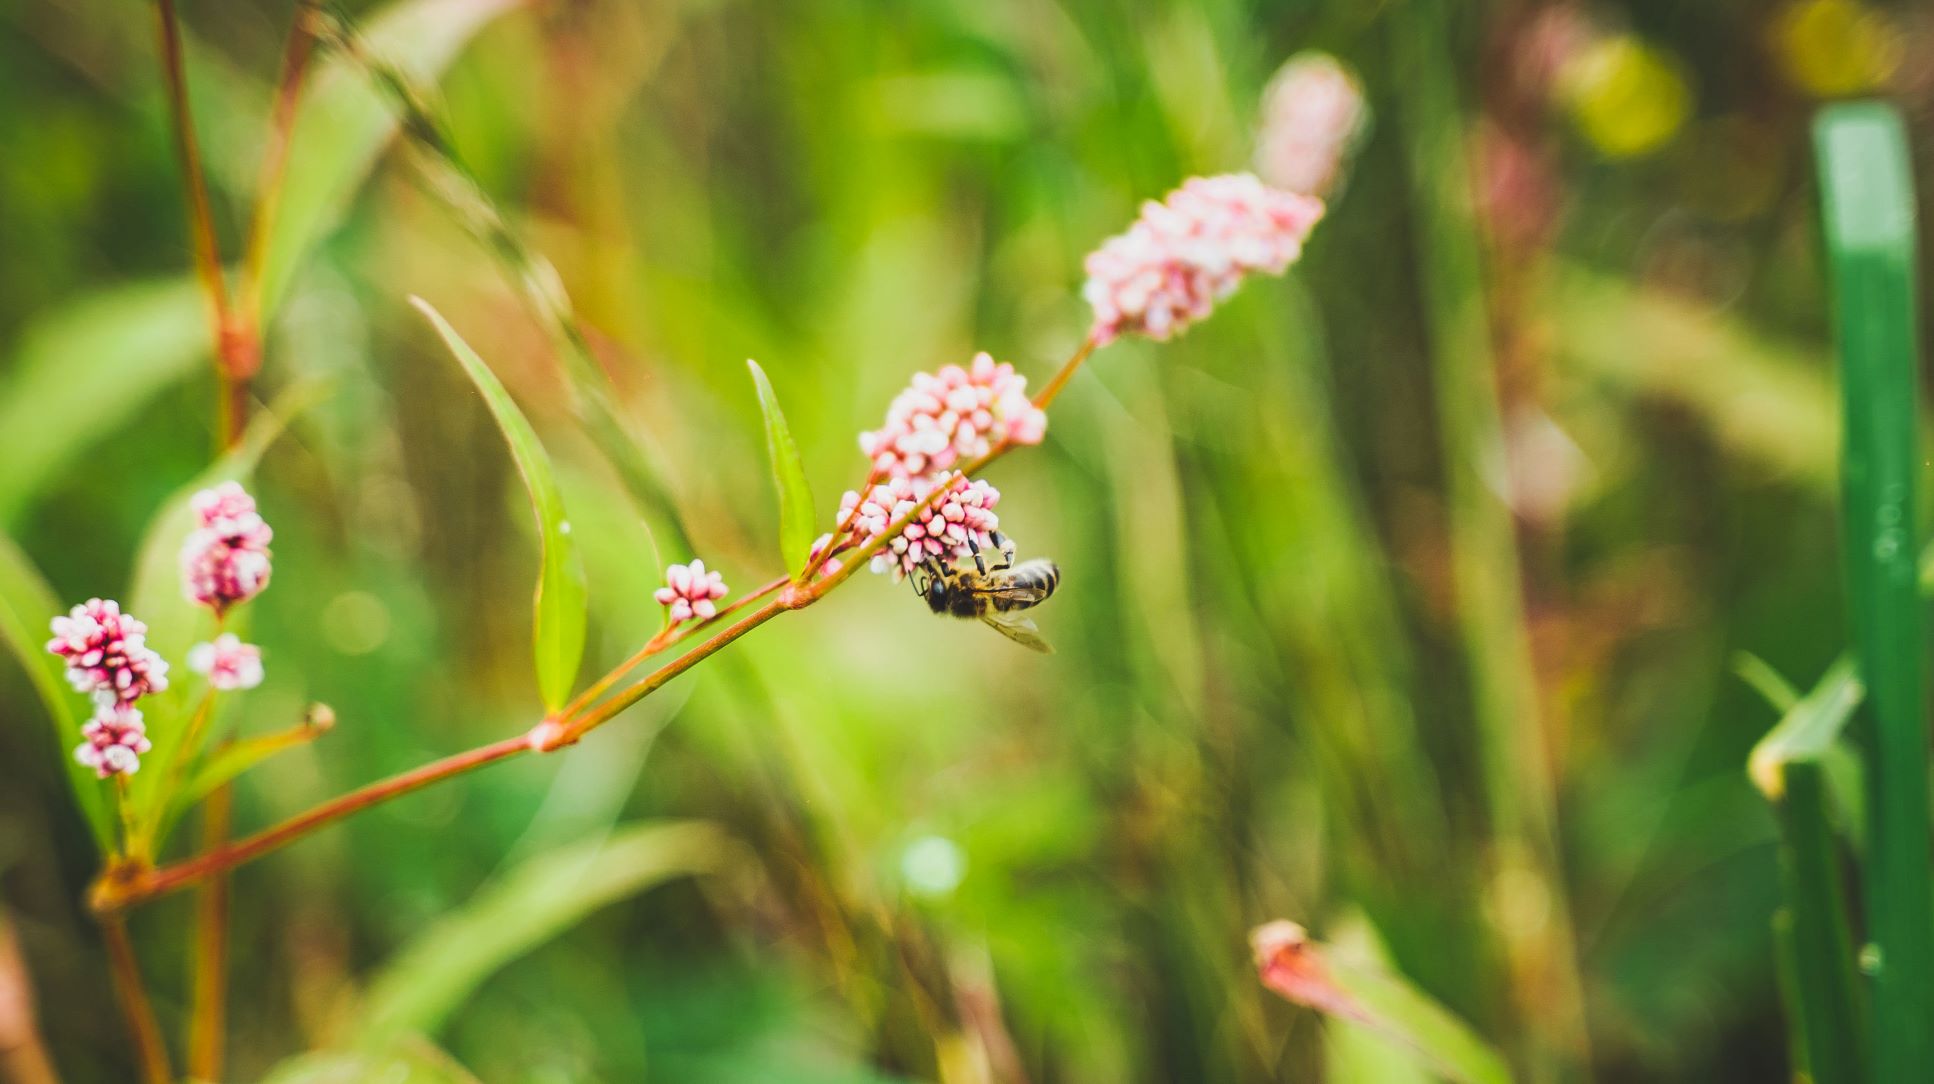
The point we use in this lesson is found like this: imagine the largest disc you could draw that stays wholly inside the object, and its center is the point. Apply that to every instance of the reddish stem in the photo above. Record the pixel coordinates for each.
(665, 638)
(115, 893)
(207, 1020)
(139, 1011)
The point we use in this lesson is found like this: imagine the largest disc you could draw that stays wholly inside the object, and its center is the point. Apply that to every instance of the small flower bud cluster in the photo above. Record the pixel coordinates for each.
(1192, 250)
(229, 663)
(225, 561)
(944, 530)
(107, 653)
(113, 741)
(954, 414)
(1313, 116)
(690, 592)
(108, 658)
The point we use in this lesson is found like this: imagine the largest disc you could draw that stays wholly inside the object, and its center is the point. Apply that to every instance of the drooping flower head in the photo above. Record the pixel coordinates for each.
(1313, 117)
(690, 592)
(229, 663)
(113, 741)
(225, 560)
(1191, 250)
(954, 414)
(107, 653)
(964, 514)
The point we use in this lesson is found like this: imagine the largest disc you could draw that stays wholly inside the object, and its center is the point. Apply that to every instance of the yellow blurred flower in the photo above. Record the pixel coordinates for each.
(1627, 98)
(1831, 48)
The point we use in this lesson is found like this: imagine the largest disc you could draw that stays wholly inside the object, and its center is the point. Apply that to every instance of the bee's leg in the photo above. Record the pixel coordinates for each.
(931, 569)
(921, 580)
(974, 548)
(1006, 545)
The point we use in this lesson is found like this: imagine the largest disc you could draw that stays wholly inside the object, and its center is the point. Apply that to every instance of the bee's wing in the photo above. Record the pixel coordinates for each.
(1020, 630)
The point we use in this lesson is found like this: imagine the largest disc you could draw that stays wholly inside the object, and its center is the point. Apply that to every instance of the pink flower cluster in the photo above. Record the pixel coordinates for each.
(690, 592)
(1192, 250)
(107, 653)
(109, 659)
(113, 741)
(954, 414)
(1313, 116)
(229, 663)
(964, 514)
(225, 560)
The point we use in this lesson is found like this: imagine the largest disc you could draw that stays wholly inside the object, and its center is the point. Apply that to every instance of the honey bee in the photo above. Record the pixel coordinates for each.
(992, 594)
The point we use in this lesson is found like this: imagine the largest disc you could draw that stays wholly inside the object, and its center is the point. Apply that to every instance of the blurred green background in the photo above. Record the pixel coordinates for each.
(948, 858)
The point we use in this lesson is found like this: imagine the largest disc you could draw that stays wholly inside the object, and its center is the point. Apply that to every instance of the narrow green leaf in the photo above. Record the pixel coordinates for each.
(1352, 1053)
(1826, 987)
(176, 622)
(1365, 996)
(27, 604)
(1868, 208)
(342, 123)
(796, 518)
(430, 978)
(1766, 681)
(1808, 729)
(406, 1061)
(559, 609)
(237, 757)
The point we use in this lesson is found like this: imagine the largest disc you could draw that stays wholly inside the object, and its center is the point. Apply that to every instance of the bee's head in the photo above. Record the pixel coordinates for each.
(938, 593)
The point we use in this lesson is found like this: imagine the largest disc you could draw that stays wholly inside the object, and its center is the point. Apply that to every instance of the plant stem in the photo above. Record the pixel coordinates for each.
(234, 350)
(118, 891)
(296, 50)
(660, 642)
(142, 1028)
(1867, 193)
(1061, 377)
(23, 1054)
(208, 1011)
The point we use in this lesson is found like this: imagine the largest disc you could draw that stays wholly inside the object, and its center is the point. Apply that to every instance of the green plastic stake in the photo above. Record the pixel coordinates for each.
(1868, 211)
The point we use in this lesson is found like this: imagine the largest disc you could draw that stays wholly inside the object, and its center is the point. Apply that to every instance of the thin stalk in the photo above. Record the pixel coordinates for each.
(1867, 194)
(23, 1053)
(208, 1008)
(142, 1028)
(1531, 913)
(120, 890)
(845, 525)
(1061, 377)
(666, 638)
(1826, 993)
(296, 50)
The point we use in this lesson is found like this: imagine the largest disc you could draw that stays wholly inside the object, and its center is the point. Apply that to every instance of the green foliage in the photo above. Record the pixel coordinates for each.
(797, 522)
(558, 610)
(408, 1061)
(432, 976)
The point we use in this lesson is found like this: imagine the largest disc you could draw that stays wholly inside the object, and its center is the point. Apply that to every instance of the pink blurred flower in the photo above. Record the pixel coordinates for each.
(943, 531)
(1313, 116)
(113, 741)
(690, 592)
(228, 662)
(1191, 250)
(107, 653)
(225, 560)
(953, 414)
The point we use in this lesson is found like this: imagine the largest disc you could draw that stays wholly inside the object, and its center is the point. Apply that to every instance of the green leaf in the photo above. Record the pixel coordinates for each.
(418, 989)
(1867, 211)
(1366, 996)
(1826, 986)
(175, 622)
(1807, 729)
(558, 636)
(796, 519)
(1766, 681)
(27, 604)
(406, 1061)
(1352, 1054)
(342, 123)
(85, 370)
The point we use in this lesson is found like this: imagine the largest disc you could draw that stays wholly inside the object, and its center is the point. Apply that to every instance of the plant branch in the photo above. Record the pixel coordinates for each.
(119, 890)
(142, 1027)
(208, 1011)
(296, 51)
(666, 638)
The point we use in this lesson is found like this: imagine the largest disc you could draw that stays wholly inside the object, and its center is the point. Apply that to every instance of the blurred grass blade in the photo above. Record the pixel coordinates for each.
(1807, 729)
(175, 622)
(560, 605)
(1825, 988)
(1307, 973)
(1766, 681)
(27, 604)
(1867, 201)
(342, 123)
(1352, 1053)
(407, 1061)
(796, 520)
(418, 989)
(83, 370)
